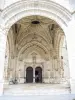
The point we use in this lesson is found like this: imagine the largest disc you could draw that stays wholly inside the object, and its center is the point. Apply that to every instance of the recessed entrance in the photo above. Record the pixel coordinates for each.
(40, 48)
(38, 75)
(29, 75)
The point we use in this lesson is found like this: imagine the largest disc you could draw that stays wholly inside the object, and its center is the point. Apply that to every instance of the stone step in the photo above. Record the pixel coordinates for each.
(51, 97)
(36, 89)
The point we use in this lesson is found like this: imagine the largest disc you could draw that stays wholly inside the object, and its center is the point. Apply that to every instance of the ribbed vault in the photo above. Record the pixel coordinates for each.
(37, 32)
(36, 41)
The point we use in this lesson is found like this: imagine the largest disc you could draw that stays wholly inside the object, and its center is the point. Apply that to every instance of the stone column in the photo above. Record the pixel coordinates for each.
(66, 72)
(70, 37)
(3, 38)
(12, 67)
(24, 73)
(16, 76)
(48, 71)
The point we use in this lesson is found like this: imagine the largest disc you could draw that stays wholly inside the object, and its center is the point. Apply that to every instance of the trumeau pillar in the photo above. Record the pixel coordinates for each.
(70, 37)
(33, 75)
(3, 38)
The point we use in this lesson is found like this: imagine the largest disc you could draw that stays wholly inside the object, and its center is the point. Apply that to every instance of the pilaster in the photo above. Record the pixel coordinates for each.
(3, 38)
(70, 37)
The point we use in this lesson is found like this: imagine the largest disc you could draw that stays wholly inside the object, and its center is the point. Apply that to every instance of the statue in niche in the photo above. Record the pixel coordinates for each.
(62, 73)
(52, 75)
(34, 57)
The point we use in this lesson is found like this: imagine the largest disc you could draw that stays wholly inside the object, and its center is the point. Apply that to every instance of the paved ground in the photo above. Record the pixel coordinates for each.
(51, 97)
(36, 89)
(37, 92)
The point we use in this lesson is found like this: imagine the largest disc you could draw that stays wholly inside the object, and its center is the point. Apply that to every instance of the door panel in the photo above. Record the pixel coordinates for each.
(38, 75)
(29, 75)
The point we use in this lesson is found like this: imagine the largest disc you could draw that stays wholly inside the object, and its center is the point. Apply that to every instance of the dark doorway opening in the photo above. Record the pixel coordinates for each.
(38, 75)
(29, 75)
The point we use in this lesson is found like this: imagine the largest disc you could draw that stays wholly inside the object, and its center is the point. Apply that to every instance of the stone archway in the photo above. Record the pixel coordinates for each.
(12, 14)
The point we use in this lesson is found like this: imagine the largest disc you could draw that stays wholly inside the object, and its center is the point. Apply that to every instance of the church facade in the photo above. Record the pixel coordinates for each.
(37, 47)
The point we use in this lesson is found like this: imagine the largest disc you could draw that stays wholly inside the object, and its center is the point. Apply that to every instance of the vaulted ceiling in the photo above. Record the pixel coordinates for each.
(39, 34)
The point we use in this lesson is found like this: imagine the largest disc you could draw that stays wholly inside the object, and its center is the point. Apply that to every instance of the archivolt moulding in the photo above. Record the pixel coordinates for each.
(46, 8)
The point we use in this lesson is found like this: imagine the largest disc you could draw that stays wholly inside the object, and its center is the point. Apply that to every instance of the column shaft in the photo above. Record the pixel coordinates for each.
(3, 38)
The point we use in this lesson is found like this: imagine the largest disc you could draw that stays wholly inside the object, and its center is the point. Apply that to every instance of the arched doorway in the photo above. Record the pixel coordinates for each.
(29, 75)
(19, 13)
(38, 75)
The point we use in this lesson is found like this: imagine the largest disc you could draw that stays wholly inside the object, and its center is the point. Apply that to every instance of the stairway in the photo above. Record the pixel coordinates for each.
(36, 89)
